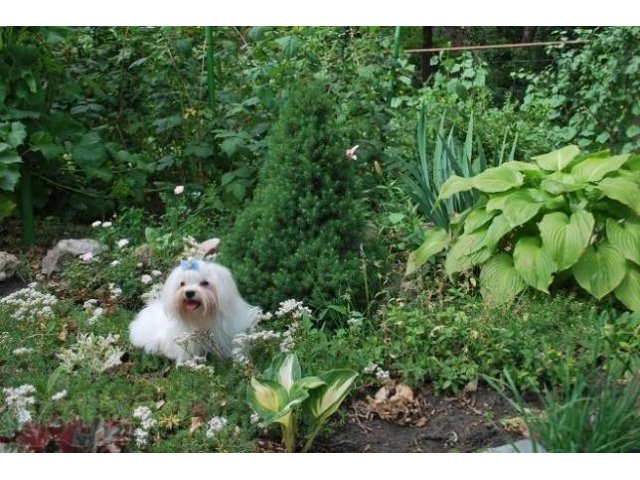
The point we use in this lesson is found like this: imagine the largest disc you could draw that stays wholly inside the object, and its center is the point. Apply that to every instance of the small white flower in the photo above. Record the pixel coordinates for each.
(178, 190)
(215, 425)
(146, 279)
(107, 224)
(139, 264)
(97, 223)
(123, 242)
(22, 351)
(254, 419)
(86, 257)
(156, 273)
(351, 152)
(59, 396)
(115, 263)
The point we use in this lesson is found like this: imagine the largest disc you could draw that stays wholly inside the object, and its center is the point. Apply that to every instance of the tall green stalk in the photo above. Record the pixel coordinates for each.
(211, 81)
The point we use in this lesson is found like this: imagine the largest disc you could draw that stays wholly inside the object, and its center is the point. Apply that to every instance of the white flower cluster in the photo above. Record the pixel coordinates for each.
(254, 418)
(242, 343)
(294, 308)
(196, 341)
(17, 399)
(59, 396)
(147, 422)
(93, 352)
(153, 293)
(372, 368)
(95, 312)
(30, 304)
(191, 247)
(215, 425)
(22, 351)
(98, 223)
(114, 291)
(197, 365)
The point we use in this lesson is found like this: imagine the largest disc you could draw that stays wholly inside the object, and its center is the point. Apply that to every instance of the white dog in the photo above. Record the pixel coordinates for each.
(198, 300)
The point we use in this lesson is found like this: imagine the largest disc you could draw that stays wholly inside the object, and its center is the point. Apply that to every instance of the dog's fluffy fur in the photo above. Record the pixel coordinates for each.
(198, 297)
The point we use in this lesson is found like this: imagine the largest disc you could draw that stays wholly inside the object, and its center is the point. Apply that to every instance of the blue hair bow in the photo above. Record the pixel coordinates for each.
(189, 265)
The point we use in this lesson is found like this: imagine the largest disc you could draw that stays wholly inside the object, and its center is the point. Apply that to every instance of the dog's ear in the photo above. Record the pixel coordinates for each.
(226, 288)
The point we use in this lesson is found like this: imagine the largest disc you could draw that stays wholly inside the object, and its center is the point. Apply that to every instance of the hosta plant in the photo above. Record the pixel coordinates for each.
(563, 214)
(282, 392)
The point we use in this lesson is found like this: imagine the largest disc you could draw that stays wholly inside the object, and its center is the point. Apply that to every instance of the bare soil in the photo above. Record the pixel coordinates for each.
(442, 424)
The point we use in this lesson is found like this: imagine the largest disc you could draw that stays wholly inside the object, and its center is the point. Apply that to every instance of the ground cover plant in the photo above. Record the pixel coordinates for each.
(369, 207)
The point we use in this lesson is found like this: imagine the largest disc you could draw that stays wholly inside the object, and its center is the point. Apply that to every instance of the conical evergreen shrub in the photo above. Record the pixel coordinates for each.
(301, 235)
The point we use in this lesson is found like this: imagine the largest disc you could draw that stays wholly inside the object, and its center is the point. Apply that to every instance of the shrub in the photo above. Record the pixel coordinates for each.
(564, 214)
(300, 237)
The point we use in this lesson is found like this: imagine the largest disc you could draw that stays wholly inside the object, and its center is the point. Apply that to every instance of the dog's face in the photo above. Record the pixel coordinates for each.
(191, 293)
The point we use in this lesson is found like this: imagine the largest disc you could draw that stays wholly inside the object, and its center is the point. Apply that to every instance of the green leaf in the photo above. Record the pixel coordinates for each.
(499, 280)
(454, 184)
(566, 238)
(467, 251)
(626, 238)
(559, 182)
(325, 400)
(623, 190)
(533, 263)
(9, 177)
(497, 179)
(17, 135)
(477, 218)
(499, 228)
(434, 241)
(594, 169)
(6, 206)
(90, 154)
(527, 167)
(558, 159)
(520, 207)
(600, 269)
(628, 292)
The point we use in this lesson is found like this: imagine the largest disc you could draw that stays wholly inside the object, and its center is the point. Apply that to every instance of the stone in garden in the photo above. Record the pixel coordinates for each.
(53, 260)
(8, 265)
(521, 446)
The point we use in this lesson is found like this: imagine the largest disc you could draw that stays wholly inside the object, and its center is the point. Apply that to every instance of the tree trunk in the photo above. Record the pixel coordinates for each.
(427, 42)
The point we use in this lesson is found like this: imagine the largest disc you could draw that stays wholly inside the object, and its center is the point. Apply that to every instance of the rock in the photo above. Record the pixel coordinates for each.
(52, 261)
(521, 446)
(8, 265)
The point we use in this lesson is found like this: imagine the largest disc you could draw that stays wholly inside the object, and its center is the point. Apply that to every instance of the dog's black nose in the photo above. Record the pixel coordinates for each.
(189, 293)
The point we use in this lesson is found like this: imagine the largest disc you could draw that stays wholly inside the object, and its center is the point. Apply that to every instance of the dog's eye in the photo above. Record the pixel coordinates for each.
(182, 284)
(204, 283)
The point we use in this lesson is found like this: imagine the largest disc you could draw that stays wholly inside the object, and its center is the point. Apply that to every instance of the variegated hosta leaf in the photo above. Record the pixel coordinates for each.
(558, 159)
(499, 280)
(325, 400)
(566, 238)
(269, 399)
(600, 269)
(628, 292)
(284, 369)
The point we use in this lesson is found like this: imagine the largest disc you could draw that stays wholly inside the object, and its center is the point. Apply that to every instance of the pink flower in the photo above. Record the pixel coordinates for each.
(178, 190)
(86, 257)
(351, 152)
